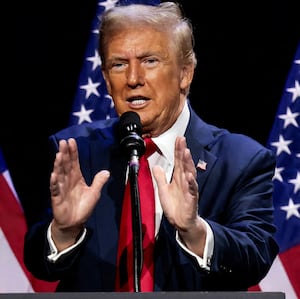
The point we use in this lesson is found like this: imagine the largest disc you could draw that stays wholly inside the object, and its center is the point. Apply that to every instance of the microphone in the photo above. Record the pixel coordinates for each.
(130, 132)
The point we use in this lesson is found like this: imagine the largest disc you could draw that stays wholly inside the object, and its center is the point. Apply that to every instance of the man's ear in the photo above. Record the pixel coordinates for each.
(186, 76)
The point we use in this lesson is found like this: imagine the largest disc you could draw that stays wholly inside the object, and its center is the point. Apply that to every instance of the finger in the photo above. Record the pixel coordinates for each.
(54, 186)
(65, 149)
(188, 163)
(179, 161)
(98, 182)
(192, 185)
(60, 161)
(161, 181)
(194, 189)
(73, 152)
(68, 160)
(58, 167)
(159, 175)
(62, 158)
(180, 146)
(185, 161)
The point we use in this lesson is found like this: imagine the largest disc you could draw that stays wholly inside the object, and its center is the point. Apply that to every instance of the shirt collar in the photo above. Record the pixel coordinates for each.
(166, 141)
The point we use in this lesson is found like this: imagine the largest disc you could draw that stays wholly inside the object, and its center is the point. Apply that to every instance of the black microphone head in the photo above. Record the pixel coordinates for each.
(130, 132)
(129, 122)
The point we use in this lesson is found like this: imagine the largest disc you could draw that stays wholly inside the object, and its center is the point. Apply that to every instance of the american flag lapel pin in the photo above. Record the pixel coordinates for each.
(201, 164)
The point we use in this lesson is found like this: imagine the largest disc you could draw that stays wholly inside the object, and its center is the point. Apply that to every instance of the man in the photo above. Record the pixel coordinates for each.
(213, 189)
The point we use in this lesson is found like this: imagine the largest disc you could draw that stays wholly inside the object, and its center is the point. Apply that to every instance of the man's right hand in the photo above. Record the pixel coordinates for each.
(72, 199)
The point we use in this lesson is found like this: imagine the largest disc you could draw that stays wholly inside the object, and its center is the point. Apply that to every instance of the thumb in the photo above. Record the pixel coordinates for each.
(99, 180)
(160, 178)
(162, 185)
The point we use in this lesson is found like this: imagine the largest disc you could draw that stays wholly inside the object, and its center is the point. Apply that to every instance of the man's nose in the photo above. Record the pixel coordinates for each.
(135, 74)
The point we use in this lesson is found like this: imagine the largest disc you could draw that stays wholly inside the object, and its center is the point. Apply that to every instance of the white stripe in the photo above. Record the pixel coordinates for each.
(278, 281)
(8, 179)
(12, 277)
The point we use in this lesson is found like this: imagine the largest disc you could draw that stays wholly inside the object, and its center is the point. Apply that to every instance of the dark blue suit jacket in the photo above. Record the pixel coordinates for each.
(235, 199)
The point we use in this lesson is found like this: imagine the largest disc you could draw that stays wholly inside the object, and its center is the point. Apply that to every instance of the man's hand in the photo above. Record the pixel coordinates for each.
(72, 199)
(179, 198)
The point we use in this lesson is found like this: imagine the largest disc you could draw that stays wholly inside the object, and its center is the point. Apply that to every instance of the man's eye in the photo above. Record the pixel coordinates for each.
(151, 61)
(118, 65)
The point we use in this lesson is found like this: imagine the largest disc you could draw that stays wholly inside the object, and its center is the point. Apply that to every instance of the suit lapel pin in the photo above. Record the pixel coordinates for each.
(201, 164)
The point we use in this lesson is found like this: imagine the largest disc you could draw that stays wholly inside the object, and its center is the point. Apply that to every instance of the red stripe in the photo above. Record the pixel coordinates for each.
(12, 220)
(291, 262)
(14, 227)
(255, 288)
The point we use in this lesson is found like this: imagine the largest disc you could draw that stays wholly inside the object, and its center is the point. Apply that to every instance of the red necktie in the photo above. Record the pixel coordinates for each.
(125, 271)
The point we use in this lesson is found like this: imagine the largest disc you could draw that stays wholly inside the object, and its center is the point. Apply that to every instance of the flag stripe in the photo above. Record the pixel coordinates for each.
(278, 280)
(13, 230)
(289, 259)
(12, 276)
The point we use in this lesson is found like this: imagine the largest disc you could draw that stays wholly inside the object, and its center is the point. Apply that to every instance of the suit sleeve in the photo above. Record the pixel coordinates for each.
(242, 221)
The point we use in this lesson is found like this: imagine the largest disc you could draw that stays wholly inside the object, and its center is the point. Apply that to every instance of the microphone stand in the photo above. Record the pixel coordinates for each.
(136, 221)
(130, 133)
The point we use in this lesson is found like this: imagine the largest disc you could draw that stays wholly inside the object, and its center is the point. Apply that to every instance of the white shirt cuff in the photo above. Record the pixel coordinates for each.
(54, 254)
(204, 262)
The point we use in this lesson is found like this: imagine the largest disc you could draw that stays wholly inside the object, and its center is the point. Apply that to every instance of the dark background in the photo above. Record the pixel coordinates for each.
(244, 52)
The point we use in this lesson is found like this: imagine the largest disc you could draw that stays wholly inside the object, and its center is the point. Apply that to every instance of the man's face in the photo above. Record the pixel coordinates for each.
(143, 75)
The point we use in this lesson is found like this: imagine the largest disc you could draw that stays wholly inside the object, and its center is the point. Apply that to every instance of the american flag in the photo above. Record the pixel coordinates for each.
(92, 101)
(284, 140)
(14, 277)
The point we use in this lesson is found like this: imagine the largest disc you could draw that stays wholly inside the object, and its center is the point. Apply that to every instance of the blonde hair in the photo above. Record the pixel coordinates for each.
(165, 17)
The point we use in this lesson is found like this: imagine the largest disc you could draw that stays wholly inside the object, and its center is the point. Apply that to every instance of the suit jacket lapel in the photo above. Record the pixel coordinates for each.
(199, 139)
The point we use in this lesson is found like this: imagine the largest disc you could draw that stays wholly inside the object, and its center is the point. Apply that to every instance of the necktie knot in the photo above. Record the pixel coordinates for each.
(150, 147)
